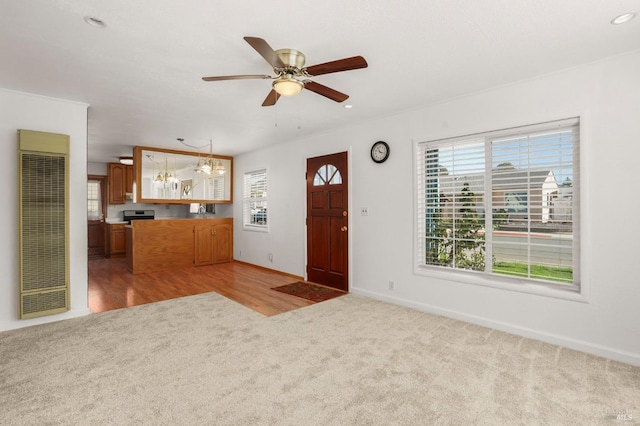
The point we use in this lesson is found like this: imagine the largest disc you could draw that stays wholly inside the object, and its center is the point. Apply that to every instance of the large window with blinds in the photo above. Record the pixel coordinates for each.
(255, 201)
(502, 203)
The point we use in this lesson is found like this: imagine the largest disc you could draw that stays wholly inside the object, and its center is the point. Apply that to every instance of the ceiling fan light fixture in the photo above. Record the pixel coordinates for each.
(287, 86)
(289, 66)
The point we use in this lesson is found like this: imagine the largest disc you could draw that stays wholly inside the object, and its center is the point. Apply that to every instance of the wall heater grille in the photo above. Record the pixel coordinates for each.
(43, 216)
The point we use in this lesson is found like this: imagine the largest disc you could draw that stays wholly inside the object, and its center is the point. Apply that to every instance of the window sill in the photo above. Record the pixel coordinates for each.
(521, 286)
(254, 228)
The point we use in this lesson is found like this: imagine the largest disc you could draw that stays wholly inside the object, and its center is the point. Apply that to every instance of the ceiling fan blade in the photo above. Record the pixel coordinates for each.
(236, 77)
(346, 64)
(325, 91)
(263, 48)
(271, 98)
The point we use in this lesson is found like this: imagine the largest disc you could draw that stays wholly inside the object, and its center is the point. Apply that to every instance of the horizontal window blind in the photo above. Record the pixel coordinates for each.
(255, 199)
(215, 188)
(94, 209)
(503, 203)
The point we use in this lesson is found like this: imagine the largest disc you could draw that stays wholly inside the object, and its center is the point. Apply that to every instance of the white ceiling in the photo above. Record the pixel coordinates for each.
(142, 74)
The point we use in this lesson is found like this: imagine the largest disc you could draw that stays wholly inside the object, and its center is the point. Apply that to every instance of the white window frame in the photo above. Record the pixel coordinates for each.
(94, 200)
(549, 288)
(250, 201)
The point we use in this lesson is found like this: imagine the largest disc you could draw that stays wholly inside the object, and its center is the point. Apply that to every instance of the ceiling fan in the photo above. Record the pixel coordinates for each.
(291, 74)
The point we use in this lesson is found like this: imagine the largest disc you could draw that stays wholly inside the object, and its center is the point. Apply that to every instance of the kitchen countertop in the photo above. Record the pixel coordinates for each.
(114, 221)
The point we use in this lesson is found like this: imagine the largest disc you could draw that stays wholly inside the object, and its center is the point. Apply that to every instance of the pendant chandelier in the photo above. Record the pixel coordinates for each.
(210, 165)
(167, 176)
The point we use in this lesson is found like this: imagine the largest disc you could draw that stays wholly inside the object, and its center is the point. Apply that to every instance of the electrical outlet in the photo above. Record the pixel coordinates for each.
(392, 285)
(271, 257)
(364, 211)
(240, 252)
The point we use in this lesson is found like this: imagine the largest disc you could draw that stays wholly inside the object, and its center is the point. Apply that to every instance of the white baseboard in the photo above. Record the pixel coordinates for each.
(14, 325)
(579, 345)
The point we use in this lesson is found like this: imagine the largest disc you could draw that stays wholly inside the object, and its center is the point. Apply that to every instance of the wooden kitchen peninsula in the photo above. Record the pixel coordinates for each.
(156, 245)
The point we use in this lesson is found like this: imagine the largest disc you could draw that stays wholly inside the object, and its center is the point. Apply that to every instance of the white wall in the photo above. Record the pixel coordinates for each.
(31, 112)
(607, 97)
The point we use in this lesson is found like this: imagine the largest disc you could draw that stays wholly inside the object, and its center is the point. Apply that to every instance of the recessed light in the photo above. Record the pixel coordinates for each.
(625, 17)
(348, 106)
(94, 22)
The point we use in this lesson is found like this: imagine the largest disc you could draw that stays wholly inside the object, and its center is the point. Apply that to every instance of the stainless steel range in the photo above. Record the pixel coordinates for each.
(129, 215)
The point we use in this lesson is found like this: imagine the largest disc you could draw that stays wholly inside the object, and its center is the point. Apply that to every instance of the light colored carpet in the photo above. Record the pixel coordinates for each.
(350, 360)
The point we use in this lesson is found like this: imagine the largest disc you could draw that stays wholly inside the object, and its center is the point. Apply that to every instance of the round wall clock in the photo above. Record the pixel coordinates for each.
(380, 152)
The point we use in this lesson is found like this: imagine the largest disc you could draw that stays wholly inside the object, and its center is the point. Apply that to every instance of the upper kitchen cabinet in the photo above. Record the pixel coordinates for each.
(120, 182)
(181, 177)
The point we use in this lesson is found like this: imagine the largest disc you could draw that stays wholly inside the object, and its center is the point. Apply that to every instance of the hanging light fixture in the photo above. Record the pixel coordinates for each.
(219, 167)
(220, 170)
(167, 176)
(203, 166)
(208, 165)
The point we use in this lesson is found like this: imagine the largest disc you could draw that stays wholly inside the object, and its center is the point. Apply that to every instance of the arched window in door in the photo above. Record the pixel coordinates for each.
(327, 174)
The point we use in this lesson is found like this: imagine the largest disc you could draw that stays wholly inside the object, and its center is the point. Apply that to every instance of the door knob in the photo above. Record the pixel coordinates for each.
(344, 228)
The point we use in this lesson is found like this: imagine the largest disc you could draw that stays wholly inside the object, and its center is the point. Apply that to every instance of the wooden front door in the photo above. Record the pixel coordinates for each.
(327, 221)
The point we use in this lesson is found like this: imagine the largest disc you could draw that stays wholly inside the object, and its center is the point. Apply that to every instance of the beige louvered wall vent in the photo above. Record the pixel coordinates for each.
(44, 227)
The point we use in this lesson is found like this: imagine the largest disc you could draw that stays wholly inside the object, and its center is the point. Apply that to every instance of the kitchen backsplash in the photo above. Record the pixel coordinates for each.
(114, 211)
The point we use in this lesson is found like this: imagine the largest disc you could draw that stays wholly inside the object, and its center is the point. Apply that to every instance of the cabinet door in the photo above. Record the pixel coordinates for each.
(203, 245)
(128, 187)
(118, 240)
(117, 180)
(223, 243)
(96, 239)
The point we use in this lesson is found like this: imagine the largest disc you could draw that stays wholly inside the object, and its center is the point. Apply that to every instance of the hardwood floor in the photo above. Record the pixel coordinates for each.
(111, 286)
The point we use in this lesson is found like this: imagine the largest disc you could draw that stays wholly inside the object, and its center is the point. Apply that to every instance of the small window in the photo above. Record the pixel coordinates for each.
(94, 200)
(327, 174)
(255, 216)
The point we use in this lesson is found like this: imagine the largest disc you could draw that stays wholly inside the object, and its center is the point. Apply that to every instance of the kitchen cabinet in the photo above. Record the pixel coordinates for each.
(128, 182)
(96, 238)
(117, 240)
(120, 182)
(212, 243)
(158, 245)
